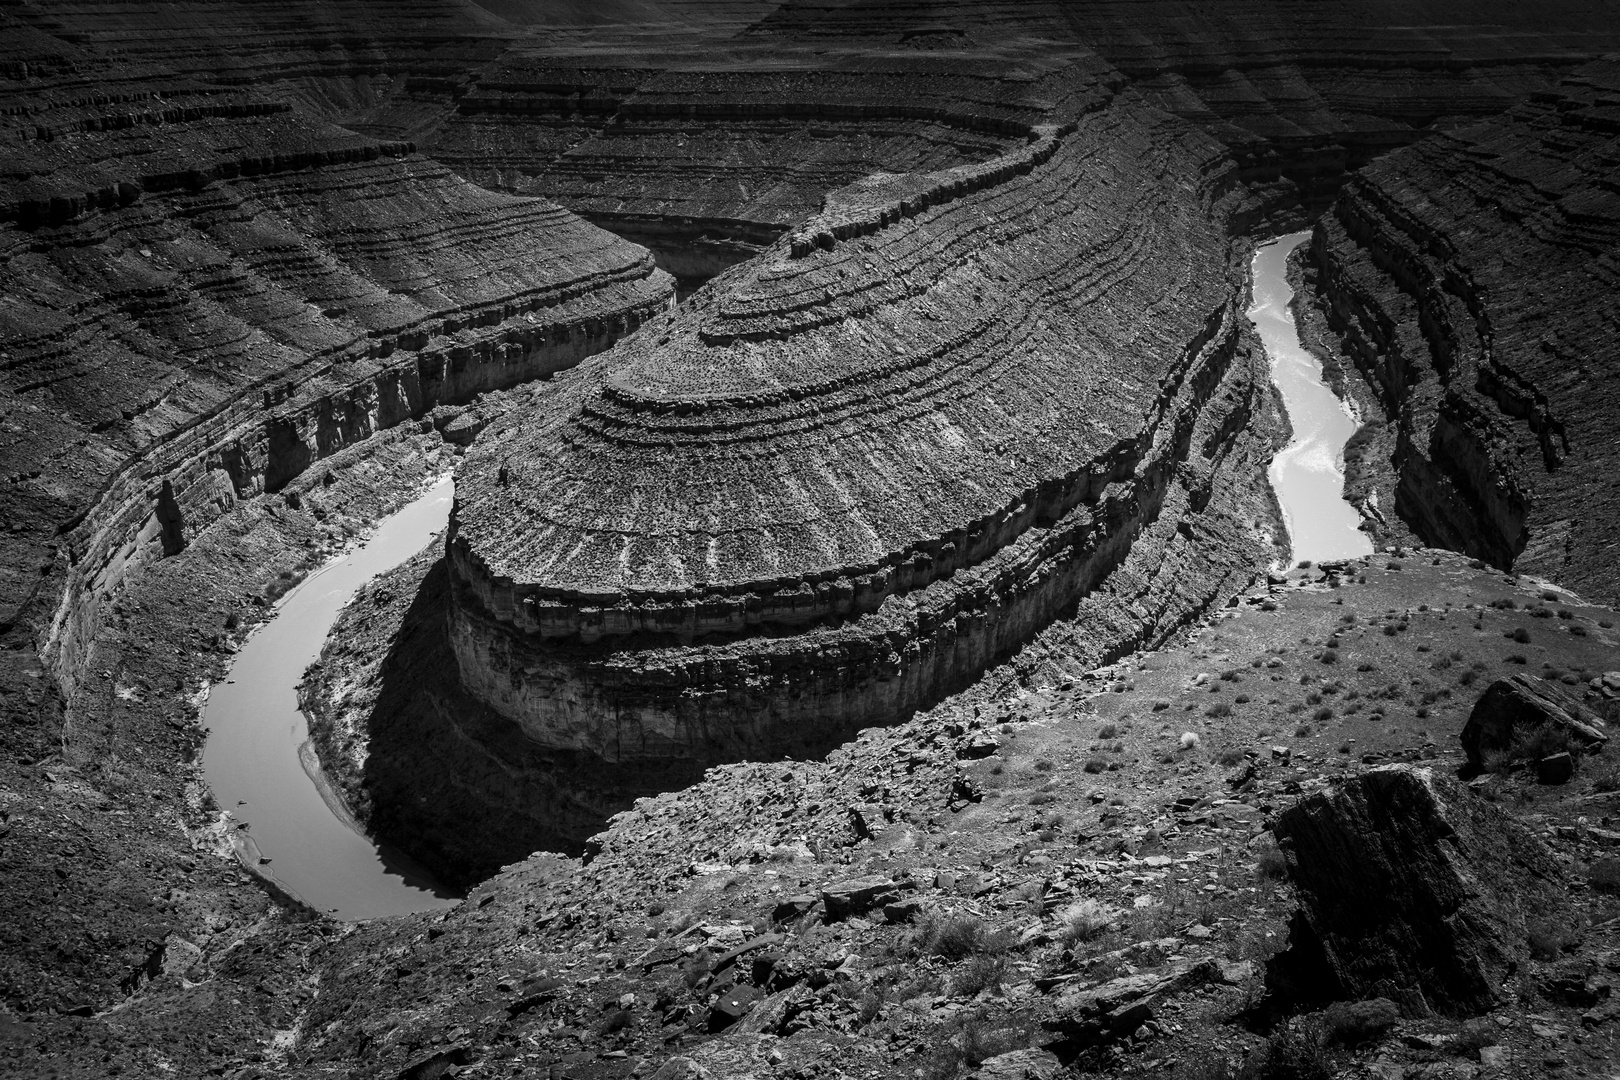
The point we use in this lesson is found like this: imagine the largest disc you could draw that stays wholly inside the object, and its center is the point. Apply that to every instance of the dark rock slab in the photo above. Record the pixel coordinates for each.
(1413, 889)
(1514, 707)
(1121, 1005)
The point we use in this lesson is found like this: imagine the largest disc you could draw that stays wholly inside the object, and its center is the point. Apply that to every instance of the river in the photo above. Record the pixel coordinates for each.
(260, 765)
(1307, 474)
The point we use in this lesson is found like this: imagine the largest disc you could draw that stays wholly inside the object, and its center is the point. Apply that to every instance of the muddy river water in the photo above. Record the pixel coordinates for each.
(1307, 474)
(259, 762)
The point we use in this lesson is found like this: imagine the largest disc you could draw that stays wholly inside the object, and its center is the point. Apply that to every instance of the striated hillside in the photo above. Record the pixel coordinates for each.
(205, 290)
(1473, 281)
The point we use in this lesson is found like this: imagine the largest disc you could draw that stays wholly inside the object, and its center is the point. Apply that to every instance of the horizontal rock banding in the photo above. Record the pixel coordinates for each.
(212, 295)
(1473, 280)
(857, 471)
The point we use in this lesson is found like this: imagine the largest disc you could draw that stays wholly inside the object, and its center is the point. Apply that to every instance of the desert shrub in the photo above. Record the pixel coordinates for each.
(1273, 867)
(1389, 630)
(1546, 939)
(1565, 613)
(1218, 710)
(1302, 732)
(1504, 604)
(952, 938)
(1515, 658)
(1292, 1055)
(871, 1007)
(980, 973)
(1538, 742)
(1044, 765)
(1521, 635)
(1467, 677)
(1329, 656)
(1230, 756)
(617, 1020)
(1107, 731)
(1324, 713)
(1474, 1036)
(1041, 798)
(1086, 920)
(1604, 876)
(696, 969)
(1189, 740)
(1355, 1022)
(1577, 629)
(1095, 764)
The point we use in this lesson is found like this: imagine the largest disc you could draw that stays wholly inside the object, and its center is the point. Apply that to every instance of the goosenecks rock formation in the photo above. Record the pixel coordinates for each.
(846, 478)
(238, 239)
(1412, 889)
(1472, 278)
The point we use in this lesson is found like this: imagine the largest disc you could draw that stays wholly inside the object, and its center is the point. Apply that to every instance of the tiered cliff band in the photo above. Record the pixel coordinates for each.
(1473, 278)
(876, 461)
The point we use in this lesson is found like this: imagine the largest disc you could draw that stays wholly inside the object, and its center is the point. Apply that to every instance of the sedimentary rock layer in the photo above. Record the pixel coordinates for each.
(1304, 93)
(1473, 278)
(202, 292)
(893, 448)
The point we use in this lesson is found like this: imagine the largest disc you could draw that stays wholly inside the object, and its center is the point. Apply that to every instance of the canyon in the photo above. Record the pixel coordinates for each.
(820, 380)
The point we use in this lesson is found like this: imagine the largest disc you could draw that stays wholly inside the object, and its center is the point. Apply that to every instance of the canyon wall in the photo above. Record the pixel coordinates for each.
(1473, 280)
(886, 453)
(207, 289)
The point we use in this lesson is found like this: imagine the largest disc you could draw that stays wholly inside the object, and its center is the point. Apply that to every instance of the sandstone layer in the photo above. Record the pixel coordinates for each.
(208, 289)
(705, 130)
(1473, 280)
(892, 449)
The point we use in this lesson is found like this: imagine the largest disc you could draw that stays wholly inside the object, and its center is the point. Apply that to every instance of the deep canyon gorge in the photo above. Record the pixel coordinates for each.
(854, 410)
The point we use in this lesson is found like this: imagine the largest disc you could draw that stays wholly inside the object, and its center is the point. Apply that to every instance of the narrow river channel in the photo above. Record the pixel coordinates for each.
(1308, 473)
(258, 760)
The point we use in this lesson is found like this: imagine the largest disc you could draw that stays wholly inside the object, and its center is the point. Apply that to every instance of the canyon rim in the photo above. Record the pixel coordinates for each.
(864, 640)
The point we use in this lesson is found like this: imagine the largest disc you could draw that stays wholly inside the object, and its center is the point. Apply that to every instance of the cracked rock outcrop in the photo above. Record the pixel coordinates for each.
(891, 450)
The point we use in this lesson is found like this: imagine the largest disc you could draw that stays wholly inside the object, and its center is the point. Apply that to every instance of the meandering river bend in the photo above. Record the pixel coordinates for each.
(259, 763)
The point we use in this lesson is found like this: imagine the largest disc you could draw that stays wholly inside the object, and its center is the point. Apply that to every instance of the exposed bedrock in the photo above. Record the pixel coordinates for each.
(205, 293)
(1473, 280)
(884, 455)
(720, 129)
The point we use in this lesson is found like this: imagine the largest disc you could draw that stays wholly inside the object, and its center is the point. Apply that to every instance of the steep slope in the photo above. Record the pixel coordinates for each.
(1473, 280)
(206, 291)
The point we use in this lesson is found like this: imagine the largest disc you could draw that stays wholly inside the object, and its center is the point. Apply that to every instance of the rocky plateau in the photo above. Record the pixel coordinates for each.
(865, 643)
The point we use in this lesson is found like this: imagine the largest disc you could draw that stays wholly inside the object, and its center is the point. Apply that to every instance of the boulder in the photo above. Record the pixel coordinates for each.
(1555, 768)
(1515, 708)
(1410, 888)
(858, 896)
(1034, 1064)
(1120, 1006)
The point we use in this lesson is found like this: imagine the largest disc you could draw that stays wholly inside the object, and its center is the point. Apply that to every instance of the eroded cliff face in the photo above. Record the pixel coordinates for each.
(208, 290)
(885, 454)
(1472, 280)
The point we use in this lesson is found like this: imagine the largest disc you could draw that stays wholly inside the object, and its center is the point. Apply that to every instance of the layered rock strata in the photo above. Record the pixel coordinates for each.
(887, 453)
(204, 292)
(1304, 94)
(707, 168)
(1472, 278)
